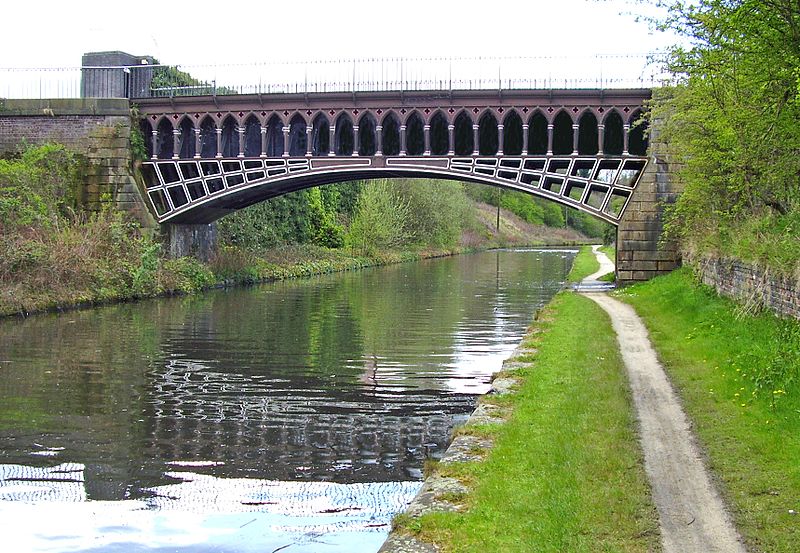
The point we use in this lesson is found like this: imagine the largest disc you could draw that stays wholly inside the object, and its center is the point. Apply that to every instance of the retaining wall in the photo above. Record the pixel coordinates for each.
(750, 285)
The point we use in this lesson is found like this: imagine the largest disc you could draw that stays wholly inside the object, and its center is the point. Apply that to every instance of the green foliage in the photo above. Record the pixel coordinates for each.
(284, 219)
(380, 221)
(39, 186)
(324, 231)
(437, 211)
(730, 122)
(138, 147)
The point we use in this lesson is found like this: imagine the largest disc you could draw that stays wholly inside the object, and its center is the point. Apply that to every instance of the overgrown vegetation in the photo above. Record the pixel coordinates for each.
(566, 472)
(739, 378)
(730, 124)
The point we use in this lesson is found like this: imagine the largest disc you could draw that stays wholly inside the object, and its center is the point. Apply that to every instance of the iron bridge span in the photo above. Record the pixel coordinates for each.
(211, 155)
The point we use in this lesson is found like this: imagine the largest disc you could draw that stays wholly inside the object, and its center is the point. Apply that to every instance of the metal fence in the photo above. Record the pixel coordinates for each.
(344, 75)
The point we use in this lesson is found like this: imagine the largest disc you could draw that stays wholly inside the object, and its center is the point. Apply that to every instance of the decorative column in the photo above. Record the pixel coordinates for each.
(309, 140)
(176, 143)
(626, 130)
(451, 133)
(240, 130)
(286, 141)
(356, 143)
(332, 141)
(475, 139)
(263, 141)
(218, 131)
(426, 130)
(549, 139)
(402, 140)
(198, 145)
(378, 140)
(575, 137)
(154, 143)
(500, 128)
(601, 135)
(525, 139)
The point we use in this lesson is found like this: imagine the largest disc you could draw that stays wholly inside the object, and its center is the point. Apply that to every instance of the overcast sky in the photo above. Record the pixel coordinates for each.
(55, 33)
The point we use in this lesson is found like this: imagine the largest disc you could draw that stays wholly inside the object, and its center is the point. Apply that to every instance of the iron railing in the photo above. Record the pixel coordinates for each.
(345, 75)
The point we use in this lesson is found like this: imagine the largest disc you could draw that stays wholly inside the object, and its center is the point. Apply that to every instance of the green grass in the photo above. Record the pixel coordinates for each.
(739, 378)
(584, 265)
(565, 474)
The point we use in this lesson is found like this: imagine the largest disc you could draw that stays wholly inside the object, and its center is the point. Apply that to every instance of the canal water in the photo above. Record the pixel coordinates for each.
(291, 417)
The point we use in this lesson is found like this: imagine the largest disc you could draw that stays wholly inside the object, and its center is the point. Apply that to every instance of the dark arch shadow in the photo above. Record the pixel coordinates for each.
(343, 137)
(415, 135)
(512, 134)
(562, 134)
(537, 134)
(440, 136)
(613, 134)
(488, 139)
(320, 136)
(588, 140)
(464, 139)
(166, 143)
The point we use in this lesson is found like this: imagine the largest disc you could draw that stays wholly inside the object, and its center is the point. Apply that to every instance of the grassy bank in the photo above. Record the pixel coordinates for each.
(584, 265)
(739, 377)
(566, 473)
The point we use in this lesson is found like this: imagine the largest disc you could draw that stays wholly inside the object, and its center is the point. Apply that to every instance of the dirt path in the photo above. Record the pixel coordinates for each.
(692, 516)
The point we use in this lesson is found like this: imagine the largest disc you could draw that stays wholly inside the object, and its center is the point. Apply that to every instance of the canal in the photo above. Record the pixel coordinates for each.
(294, 416)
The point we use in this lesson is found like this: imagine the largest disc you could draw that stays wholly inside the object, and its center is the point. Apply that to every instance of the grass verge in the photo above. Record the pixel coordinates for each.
(585, 264)
(739, 378)
(565, 473)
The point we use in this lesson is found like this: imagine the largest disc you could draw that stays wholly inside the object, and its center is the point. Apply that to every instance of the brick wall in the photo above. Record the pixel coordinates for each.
(97, 129)
(750, 285)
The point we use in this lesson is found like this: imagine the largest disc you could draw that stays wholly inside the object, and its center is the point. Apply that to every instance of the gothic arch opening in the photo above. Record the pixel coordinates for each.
(440, 137)
(488, 140)
(537, 134)
(512, 134)
(464, 140)
(147, 135)
(562, 134)
(208, 137)
(274, 136)
(166, 144)
(298, 141)
(613, 134)
(343, 137)
(187, 139)
(230, 137)
(390, 135)
(252, 137)
(415, 135)
(637, 137)
(367, 141)
(320, 136)
(588, 143)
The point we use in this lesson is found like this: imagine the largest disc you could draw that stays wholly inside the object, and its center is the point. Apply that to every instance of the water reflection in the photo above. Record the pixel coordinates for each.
(308, 406)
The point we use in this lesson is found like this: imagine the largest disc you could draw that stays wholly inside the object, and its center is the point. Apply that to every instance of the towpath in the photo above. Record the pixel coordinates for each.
(691, 514)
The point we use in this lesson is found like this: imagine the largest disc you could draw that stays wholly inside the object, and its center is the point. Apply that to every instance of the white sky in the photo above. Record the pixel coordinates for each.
(43, 33)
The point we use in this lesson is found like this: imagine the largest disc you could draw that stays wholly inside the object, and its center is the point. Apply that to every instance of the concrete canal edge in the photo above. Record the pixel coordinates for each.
(438, 492)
